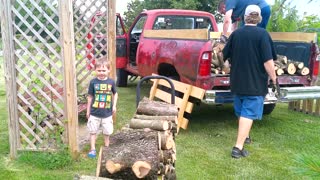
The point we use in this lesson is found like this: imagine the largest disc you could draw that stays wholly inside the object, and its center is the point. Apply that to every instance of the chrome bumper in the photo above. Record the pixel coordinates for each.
(286, 95)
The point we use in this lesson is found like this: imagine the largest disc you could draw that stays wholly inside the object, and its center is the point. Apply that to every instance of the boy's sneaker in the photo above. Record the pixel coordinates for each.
(92, 154)
(237, 153)
(248, 140)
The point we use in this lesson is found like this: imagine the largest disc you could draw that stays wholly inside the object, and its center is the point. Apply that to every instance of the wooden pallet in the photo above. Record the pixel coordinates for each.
(308, 106)
(183, 103)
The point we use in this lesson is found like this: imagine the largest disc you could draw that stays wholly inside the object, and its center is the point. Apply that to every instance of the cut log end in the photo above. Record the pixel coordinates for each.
(141, 169)
(113, 167)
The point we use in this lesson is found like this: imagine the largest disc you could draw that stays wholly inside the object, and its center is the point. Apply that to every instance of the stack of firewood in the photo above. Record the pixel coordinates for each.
(285, 66)
(218, 66)
(146, 149)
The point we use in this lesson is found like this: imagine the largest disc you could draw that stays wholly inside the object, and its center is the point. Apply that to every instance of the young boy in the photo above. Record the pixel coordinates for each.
(102, 101)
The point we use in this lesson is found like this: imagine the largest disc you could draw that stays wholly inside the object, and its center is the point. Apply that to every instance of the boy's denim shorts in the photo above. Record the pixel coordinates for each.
(250, 107)
(94, 124)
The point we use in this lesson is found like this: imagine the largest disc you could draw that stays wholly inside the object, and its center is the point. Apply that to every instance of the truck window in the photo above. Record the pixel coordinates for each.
(182, 22)
(119, 30)
(139, 25)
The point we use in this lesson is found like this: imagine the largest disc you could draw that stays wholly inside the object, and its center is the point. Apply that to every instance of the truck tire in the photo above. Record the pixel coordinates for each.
(268, 108)
(122, 78)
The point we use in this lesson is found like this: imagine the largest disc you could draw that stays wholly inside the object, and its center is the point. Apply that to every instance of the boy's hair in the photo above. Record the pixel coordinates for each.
(102, 62)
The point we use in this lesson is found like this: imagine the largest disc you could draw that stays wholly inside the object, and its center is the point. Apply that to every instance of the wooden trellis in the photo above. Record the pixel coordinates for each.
(46, 53)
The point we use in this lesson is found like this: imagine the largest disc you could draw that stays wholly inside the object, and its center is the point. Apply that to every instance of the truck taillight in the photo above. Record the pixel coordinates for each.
(315, 71)
(205, 64)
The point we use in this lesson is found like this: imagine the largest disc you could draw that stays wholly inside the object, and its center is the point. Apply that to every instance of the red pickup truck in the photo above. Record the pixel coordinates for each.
(189, 60)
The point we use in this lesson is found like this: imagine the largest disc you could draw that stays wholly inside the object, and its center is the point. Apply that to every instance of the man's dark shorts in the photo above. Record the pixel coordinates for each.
(250, 107)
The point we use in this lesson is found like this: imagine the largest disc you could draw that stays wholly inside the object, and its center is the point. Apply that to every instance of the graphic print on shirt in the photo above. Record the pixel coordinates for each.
(103, 96)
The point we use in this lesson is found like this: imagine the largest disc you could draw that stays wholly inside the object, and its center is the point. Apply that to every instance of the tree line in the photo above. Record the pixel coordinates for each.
(284, 16)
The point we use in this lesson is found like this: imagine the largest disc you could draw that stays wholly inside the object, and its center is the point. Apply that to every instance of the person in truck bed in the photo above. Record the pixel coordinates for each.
(250, 49)
(234, 11)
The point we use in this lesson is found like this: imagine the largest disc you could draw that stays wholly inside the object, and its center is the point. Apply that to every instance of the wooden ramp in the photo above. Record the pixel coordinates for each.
(183, 103)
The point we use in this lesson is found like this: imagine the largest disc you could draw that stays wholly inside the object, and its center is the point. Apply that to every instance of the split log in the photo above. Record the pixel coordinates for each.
(156, 108)
(171, 174)
(298, 65)
(279, 72)
(159, 125)
(173, 119)
(167, 156)
(128, 155)
(166, 140)
(303, 71)
(290, 69)
(282, 59)
(141, 169)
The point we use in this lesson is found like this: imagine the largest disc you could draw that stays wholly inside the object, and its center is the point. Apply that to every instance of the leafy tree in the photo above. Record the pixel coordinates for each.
(136, 6)
(283, 18)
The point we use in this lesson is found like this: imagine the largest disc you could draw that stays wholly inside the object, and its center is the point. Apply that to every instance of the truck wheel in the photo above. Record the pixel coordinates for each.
(122, 78)
(268, 108)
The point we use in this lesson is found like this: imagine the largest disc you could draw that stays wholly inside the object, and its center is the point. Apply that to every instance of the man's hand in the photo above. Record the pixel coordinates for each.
(276, 88)
(223, 39)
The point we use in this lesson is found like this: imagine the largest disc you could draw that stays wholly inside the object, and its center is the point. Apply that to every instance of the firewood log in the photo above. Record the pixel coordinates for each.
(167, 156)
(290, 69)
(298, 65)
(282, 59)
(304, 71)
(166, 140)
(159, 125)
(173, 119)
(131, 155)
(156, 108)
(279, 72)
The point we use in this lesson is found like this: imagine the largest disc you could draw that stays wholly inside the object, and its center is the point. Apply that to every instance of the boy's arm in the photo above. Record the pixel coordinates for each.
(115, 100)
(89, 102)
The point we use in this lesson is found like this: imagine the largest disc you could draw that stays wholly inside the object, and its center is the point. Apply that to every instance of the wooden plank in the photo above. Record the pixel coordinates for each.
(10, 75)
(154, 89)
(309, 106)
(294, 36)
(184, 123)
(193, 34)
(111, 44)
(179, 86)
(166, 97)
(317, 108)
(70, 91)
(183, 106)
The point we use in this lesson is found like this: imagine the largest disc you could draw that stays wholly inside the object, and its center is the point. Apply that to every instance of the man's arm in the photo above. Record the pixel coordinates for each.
(89, 102)
(227, 21)
(269, 66)
(234, 26)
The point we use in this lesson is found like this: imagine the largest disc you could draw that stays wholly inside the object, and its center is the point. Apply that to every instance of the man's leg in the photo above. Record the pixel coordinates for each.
(243, 131)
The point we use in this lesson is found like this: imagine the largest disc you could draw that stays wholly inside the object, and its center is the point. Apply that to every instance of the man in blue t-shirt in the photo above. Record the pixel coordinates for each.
(250, 49)
(234, 12)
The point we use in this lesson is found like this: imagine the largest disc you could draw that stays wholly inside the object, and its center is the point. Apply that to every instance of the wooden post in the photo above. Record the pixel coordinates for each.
(69, 69)
(112, 37)
(10, 75)
(111, 45)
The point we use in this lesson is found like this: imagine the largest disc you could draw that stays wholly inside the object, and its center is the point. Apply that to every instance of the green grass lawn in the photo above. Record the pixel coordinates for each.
(284, 143)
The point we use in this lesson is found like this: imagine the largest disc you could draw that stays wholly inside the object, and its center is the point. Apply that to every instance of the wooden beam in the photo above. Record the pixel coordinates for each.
(192, 34)
(69, 69)
(111, 44)
(111, 30)
(294, 36)
(10, 75)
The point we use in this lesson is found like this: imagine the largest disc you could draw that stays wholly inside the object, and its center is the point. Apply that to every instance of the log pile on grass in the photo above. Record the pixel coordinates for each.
(144, 150)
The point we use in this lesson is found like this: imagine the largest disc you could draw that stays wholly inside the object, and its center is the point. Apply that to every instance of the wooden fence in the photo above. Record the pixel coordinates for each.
(309, 106)
(48, 46)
